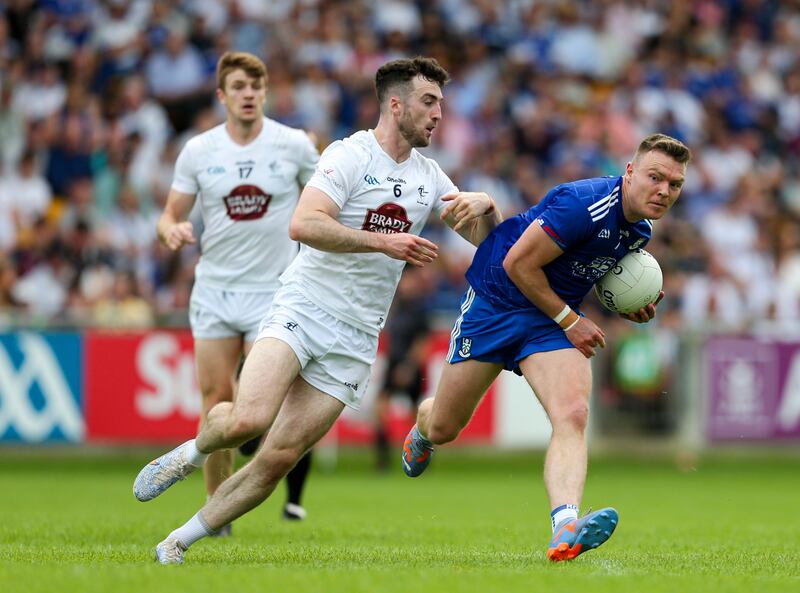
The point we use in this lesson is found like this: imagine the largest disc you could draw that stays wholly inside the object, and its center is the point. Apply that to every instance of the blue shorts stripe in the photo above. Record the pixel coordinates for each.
(468, 298)
(490, 333)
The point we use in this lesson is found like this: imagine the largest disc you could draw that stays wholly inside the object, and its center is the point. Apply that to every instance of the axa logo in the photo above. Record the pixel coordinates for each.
(39, 387)
(371, 180)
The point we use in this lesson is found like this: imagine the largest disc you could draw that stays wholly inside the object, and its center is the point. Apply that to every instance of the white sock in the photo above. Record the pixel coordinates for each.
(563, 513)
(423, 438)
(194, 529)
(193, 456)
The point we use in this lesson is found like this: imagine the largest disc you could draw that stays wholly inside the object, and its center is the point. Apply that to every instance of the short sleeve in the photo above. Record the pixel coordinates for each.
(566, 220)
(336, 172)
(444, 186)
(309, 157)
(185, 177)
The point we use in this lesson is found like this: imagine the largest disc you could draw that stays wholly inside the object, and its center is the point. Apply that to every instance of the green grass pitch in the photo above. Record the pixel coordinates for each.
(471, 523)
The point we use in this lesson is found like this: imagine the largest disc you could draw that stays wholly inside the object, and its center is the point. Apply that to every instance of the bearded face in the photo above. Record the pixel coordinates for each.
(421, 110)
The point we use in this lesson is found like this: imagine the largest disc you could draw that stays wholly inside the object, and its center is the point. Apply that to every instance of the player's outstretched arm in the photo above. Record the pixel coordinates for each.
(472, 215)
(173, 229)
(315, 224)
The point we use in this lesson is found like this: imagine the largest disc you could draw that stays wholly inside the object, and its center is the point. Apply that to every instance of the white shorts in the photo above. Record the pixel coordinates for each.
(216, 313)
(335, 357)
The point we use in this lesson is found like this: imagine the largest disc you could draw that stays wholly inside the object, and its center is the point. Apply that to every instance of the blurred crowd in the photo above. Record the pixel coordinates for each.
(97, 97)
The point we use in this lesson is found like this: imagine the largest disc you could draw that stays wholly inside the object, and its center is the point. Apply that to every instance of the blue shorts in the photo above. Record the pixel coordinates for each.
(490, 334)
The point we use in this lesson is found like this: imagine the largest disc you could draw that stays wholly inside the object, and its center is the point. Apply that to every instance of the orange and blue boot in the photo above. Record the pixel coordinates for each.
(417, 453)
(576, 536)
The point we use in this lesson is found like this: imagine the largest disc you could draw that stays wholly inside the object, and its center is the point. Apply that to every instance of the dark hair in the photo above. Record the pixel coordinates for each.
(402, 72)
(239, 60)
(666, 144)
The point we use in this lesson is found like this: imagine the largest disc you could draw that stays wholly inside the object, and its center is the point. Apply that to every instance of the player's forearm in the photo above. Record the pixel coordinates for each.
(320, 231)
(534, 285)
(482, 226)
(165, 222)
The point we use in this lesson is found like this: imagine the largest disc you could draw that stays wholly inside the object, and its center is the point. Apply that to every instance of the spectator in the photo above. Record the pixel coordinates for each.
(178, 79)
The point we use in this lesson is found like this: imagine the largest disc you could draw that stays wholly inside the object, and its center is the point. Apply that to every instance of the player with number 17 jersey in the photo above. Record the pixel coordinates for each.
(247, 195)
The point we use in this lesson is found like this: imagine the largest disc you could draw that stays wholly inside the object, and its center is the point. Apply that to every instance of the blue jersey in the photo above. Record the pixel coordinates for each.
(585, 219)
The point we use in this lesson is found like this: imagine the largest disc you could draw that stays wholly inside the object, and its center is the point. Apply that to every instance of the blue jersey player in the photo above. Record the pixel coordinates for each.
(522, 313)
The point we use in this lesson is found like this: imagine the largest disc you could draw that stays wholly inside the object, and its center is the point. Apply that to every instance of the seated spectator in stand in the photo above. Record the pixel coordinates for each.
(178, 79)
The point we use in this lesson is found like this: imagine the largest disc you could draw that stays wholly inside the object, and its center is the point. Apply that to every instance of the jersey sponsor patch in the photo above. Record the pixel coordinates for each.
(387, 218)
(594, 269)
(247, 202)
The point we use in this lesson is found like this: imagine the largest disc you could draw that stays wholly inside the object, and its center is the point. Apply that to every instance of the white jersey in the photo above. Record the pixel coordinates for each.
(247, 197)
(376, 194)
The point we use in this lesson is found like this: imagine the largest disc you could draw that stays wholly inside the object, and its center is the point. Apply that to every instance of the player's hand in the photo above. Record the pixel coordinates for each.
(586, 336)
(644, 314)
(466, 206)
(178, 235)
(410, 248)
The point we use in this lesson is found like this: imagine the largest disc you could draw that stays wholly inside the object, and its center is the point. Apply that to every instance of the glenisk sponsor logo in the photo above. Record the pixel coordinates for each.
(388, 218)
(247, 202)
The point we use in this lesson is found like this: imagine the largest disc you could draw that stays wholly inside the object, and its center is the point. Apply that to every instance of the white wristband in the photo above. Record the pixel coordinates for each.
(573, 324)
(564, 312)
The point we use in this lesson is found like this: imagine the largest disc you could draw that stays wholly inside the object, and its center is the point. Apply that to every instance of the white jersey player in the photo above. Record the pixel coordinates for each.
(358, 219)
(246, 174)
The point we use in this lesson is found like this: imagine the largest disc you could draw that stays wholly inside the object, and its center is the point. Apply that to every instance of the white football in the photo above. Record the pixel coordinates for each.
(632, 284)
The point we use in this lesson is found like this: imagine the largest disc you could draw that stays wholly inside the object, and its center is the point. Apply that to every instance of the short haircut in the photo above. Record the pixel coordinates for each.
(400, 73)
(239, 60)
(666, 144)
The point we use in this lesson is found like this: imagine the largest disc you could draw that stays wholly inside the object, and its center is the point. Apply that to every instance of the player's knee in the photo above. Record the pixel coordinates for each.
(245, 427)
(574, 416)
(442, 432)
(277, 462)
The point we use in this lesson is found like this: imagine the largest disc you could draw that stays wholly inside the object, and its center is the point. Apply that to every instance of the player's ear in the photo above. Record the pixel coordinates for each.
(221, 95)
(629, 169)
(394, 104)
